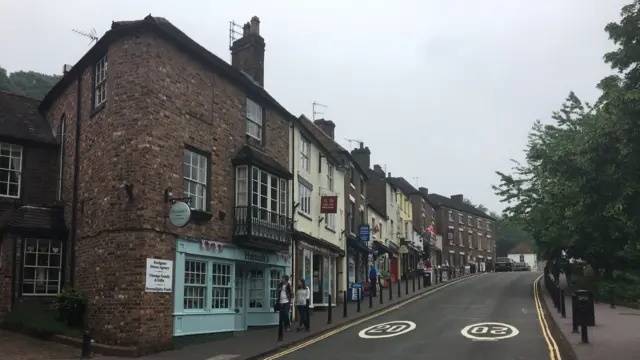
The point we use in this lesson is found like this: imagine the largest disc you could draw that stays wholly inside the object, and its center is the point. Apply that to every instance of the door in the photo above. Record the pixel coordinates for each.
(394, 269)
(317, 280)
(240, 296)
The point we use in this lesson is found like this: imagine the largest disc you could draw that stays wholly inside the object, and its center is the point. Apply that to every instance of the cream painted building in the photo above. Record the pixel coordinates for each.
(319, 246)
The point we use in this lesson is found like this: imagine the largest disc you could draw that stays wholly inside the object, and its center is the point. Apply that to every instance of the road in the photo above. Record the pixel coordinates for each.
(439, 318)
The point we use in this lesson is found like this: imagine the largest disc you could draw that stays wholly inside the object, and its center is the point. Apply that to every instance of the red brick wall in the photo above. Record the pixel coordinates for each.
(158, 100)
(6, 265)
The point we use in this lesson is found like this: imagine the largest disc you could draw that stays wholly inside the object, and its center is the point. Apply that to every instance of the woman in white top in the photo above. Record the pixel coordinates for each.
(284, 302)
(303, 295)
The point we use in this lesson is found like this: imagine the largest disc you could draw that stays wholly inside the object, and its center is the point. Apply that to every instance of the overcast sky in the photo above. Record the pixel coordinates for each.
(440, 90)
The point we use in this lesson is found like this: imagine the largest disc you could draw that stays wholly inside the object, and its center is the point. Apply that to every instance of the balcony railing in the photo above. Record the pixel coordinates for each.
(259, 226)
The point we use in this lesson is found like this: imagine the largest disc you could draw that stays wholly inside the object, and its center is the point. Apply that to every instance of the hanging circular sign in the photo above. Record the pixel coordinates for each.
(179, 214)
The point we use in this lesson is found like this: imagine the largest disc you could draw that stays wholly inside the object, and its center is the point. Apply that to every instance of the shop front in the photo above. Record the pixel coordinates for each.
(316, 263)
(382, 262)
(220, 287)
(394, 265)
(359, 256)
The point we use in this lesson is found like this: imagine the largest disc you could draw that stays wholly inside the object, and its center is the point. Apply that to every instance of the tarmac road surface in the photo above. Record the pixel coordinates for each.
(497, 313)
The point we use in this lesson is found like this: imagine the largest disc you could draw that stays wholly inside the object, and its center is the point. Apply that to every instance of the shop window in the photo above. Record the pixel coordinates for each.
(256, 289)
(42, 267)
(195, 284)
(221, 285)
(274, 281)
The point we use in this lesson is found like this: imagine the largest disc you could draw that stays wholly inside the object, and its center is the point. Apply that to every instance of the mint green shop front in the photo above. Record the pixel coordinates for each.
(220, 287)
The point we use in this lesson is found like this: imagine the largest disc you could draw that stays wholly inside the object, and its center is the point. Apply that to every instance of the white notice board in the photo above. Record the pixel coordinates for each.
(159, 276)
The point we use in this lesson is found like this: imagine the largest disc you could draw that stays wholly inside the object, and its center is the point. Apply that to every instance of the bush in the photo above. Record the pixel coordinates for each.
(71, 307)
(35, 320)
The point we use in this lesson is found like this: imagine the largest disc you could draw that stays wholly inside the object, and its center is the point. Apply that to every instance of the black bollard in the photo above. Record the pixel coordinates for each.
(406, 284)
(344, 305)
(370, 297)
(584, 332)
(358, 306)
(399, 294)
(419, 283)
(329, 311)
(390, 290)
(563, 309)
(558, 299)
(440, 275)
(413, 283)
(381, 299)
(574, 312)
(86, 345)
(281, 327)
(308, 318)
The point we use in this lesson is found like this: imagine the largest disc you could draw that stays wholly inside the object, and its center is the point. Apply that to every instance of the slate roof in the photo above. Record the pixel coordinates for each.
(439, 200)
(21, 120)
(166, 30)
(403, 185)
(328, 143)
(28, 217)
(521, 249)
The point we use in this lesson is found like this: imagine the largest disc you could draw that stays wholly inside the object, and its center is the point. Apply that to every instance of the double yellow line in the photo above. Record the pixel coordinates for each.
(554, 353)
(358, 322)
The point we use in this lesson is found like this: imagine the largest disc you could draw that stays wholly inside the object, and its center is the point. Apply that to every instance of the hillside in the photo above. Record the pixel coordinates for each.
(28, 83)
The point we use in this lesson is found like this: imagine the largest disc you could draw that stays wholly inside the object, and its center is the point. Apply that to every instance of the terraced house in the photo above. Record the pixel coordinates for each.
(176, 165)
(319, 191)
(468, 233)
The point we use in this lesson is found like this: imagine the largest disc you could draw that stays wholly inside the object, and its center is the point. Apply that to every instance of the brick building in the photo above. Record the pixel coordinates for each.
(468, 233)
(32, 230)
(151, 118)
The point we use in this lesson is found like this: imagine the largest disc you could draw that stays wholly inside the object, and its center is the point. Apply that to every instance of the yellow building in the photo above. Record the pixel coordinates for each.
(404, 226)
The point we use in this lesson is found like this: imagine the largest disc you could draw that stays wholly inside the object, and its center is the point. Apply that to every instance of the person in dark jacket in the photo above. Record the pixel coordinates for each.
(284, 302)
(555, 270)
(568, 267)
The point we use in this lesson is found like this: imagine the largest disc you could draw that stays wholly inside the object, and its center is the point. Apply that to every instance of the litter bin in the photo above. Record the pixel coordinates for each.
(586, 307)
(427, 278)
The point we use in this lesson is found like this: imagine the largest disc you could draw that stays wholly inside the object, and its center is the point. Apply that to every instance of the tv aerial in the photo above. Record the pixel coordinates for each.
(91, 34)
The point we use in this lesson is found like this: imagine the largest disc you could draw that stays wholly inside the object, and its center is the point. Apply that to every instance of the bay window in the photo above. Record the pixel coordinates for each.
(268, 194)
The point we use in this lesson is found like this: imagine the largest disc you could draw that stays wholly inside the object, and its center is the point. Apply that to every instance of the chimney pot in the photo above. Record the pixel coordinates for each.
(423, 190)
(255, 25)
(361, 145)
(245, 29)
(389, 174)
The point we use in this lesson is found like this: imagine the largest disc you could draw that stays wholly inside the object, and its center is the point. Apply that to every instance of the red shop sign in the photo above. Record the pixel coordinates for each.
(328, 204)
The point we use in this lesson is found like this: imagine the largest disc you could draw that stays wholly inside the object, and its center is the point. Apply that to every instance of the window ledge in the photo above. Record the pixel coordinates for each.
(353, 186)
(304, 215)
(330, 229)
(200, 216)
(97, 109)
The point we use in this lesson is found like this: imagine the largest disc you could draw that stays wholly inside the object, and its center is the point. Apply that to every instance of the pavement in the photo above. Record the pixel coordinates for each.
(432, 326)
(15, 346)
(616, 335)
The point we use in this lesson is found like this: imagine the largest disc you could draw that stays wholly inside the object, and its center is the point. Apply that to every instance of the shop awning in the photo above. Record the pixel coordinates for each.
(393, 246)
(381, 247)
(413, 248)
(360, 246)
(321, 243)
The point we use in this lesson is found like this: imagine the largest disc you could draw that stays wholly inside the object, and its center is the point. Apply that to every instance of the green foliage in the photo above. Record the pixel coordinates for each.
(28, 83)
(37, 321)
(579, 189)
(71, 307)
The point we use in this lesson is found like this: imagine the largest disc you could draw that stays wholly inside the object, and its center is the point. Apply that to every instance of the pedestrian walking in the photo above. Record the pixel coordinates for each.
(568, 268)
(284, 302)
(303, 296)
(373, 276)
(555, 270)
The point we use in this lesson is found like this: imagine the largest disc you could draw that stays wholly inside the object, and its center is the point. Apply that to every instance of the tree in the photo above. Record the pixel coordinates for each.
(579, 189)
(28, 83)
(479, 206)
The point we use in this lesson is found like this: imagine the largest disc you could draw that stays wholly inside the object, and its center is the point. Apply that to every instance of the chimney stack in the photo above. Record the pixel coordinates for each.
(457, 198)
(378, 170)
(247, 53)
(362, 156)
(327, 126)
(424, 191)
(389, 175)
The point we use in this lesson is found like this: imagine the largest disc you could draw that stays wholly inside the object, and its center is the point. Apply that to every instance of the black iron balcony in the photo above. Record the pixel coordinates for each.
(261, 229)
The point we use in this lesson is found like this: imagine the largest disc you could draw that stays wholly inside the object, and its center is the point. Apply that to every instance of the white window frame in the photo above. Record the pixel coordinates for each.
(227, 289)
(304, 197)
(31, 247)
(193, 290)
(282, 187)
(305, 154)
(256, 286)
(100, 82)
(200, 194)
(488, 226)
(8, 151)
(469, 220)
(330, 176)
(254, 119)
(479, 223)
(460, 218)
(450, 215)
(274, 282)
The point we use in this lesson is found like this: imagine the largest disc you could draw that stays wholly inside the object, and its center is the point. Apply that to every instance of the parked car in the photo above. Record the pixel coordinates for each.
(504, 264)
(522, 266)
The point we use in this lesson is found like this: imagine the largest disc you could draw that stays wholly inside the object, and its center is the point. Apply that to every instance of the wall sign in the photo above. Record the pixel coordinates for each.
(328, 204)
(364, 233)
(159, 276)
(179, 214)
(254, 256)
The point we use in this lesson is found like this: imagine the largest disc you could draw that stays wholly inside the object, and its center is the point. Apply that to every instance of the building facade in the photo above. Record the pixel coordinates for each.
(318, 182)
(523, 253)
(468, 233)
(156, 120)
(32, 229)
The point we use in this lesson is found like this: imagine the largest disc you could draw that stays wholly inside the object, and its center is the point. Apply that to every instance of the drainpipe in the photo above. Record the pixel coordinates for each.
(14, 272)
(294, 258)
(76, 171)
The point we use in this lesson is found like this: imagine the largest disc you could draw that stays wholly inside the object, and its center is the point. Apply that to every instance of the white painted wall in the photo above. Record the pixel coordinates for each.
(392, 213)
(530, 259)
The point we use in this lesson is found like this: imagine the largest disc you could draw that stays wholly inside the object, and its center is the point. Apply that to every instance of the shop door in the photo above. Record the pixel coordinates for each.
(317, 280)
(394, 269)
(240, 296)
